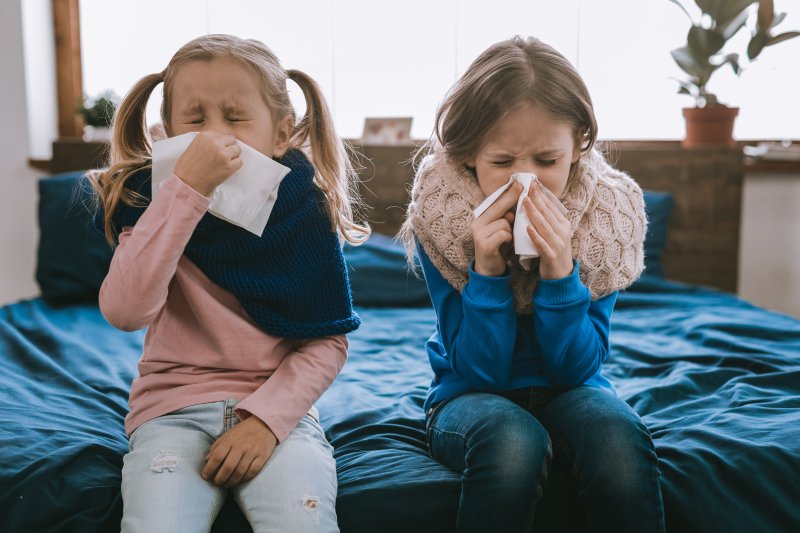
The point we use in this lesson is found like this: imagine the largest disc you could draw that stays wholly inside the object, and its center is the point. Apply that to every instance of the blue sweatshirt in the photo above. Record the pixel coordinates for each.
(481, 344)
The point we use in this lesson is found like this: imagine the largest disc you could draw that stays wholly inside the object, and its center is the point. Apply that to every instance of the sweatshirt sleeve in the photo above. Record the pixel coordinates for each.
(477, 327)
(298, 382)
(571, 330)
(135, 289)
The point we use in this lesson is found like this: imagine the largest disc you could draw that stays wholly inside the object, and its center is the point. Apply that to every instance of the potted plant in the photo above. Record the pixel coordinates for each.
(711, 122)
(98, 114)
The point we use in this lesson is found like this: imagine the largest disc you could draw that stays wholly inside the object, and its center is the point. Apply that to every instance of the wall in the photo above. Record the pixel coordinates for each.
(18, 229)
(769, 266)
(40, 76)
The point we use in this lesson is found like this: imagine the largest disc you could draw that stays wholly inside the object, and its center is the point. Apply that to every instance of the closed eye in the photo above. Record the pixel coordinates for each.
(547, 162)
(501, 163)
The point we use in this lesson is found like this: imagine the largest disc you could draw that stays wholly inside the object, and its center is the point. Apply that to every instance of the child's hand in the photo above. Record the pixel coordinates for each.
(492, 233)
(550, 232)
(209, 160)
(240, 453)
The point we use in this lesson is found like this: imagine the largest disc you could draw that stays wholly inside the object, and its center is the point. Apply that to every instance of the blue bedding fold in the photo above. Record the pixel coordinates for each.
(716, 379)
(64, 381)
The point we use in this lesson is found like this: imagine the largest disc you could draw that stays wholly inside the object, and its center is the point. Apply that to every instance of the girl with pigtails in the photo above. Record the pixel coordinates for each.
(244, 332)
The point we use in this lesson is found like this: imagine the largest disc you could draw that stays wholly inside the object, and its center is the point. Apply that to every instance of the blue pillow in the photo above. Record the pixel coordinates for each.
(379, 275)
(658, 207)
(73, 257)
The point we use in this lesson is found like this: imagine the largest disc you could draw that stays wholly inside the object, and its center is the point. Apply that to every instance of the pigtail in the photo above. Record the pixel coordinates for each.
(131, 150)
(335, 174)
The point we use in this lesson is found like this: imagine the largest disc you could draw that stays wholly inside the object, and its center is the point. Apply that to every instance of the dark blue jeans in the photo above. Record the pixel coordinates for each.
(503, 445)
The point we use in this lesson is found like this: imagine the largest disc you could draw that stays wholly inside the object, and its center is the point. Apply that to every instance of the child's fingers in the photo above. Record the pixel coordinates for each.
(555, 212)
(240, 471)
(228, 466)
(497, 239)
(558, 223)
(255, 467)
(542, 225)
(214, 459)
(233, 151)
(505, 202)
(213, 447)
(541, 245)
(493, 235)
(498, 225)
(547, 205)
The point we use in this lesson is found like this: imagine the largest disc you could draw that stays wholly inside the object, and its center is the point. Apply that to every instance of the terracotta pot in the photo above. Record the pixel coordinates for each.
(709, 125)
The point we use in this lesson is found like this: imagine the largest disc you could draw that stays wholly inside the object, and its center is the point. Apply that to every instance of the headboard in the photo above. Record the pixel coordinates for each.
(706, 184)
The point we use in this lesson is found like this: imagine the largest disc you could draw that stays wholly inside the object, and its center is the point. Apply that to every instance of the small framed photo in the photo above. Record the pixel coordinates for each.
(387, 130)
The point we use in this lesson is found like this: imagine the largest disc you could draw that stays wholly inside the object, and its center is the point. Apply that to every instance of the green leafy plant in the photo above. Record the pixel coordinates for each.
(99, 111)
(720, 20)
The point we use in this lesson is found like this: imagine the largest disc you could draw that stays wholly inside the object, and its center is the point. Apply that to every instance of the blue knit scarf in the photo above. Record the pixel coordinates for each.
(292, 280)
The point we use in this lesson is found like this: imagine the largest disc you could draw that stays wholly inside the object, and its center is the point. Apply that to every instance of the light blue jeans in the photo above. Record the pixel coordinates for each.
(162, 489)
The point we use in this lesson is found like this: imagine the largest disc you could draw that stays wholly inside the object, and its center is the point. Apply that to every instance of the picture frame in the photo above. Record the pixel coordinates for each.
(387, 131)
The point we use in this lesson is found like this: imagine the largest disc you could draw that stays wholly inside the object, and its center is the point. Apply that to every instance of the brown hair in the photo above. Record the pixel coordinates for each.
(506, 75)
(131, 145)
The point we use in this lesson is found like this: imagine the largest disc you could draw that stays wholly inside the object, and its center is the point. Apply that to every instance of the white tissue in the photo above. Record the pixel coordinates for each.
(523, 246)
(245, 199)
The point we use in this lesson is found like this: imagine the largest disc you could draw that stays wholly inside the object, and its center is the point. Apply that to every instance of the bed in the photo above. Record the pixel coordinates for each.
(716, 379)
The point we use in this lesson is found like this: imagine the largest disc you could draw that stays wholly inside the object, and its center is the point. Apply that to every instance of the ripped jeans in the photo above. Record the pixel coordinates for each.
(162, 489)
(502, 448)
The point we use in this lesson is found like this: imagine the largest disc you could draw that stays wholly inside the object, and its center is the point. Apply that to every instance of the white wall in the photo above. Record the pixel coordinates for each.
(18, 228)
(40, 75)
(399, 58)
(769, 268)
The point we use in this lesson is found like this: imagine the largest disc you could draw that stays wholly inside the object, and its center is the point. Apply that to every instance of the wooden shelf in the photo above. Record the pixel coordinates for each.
(73, 153)
(760, 166)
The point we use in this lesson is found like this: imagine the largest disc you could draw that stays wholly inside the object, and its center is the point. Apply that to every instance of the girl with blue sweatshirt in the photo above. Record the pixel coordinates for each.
(523, 291)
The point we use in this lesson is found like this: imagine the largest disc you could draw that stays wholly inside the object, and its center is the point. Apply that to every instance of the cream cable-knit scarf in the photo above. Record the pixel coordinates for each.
(604, 206)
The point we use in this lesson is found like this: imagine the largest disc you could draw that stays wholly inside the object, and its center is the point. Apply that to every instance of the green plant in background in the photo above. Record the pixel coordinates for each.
(721, 20)
(99, 111)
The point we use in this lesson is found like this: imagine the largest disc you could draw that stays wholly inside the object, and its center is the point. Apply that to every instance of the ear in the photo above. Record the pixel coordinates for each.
(283, 133)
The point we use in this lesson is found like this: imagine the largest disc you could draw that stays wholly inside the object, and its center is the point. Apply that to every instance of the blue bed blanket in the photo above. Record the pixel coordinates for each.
(716, 379)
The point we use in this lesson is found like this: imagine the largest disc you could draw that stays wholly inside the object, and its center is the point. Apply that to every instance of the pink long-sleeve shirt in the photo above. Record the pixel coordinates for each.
(200, 345)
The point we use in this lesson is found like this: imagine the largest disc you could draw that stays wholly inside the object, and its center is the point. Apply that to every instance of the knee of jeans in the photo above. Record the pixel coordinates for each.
(628, 460)
(514, 444)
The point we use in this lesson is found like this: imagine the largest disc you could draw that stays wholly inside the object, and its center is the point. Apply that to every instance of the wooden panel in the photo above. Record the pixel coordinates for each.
(74, 154)
(706, 184)
(69, 82)
(386, 176)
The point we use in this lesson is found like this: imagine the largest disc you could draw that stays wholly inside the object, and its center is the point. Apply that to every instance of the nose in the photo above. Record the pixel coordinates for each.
(220, 126)
(524, 167)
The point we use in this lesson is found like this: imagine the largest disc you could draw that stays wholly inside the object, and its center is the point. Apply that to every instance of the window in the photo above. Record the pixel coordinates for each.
(399, 59)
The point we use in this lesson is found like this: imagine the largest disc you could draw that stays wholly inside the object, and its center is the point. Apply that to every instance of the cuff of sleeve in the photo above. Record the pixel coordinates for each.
(183, 191)
(561, 291)
(272, 421)
(487, 288)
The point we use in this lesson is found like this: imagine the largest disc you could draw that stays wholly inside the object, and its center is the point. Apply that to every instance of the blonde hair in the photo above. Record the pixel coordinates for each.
(132, 143)
(505, 76)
